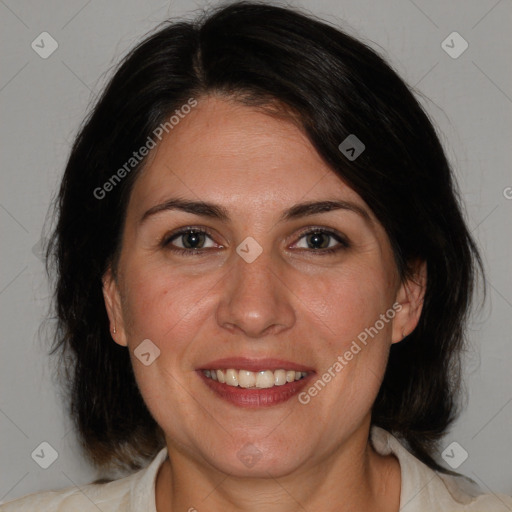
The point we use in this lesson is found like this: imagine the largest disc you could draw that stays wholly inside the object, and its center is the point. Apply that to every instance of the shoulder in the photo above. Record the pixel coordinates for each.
(133, 492)
(463, 491)
(114, 494)
(425, 490)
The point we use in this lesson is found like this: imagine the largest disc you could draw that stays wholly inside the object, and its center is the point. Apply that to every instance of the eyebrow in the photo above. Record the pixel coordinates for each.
(218, 212)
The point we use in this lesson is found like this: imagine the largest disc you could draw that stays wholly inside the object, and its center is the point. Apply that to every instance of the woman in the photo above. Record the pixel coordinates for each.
(263, 279)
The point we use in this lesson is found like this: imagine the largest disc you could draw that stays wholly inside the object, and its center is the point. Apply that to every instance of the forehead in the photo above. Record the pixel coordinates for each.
(228, 153)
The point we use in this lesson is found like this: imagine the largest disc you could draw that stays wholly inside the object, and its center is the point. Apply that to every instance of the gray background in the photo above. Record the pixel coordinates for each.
(43, 101)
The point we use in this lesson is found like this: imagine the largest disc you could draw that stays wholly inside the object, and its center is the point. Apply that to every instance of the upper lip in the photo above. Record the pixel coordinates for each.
(254, 365)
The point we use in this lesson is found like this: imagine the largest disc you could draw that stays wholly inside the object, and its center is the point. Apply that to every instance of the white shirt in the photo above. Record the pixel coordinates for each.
(423, 490)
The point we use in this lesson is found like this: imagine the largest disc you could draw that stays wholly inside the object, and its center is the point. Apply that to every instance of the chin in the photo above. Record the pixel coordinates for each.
(262, 458)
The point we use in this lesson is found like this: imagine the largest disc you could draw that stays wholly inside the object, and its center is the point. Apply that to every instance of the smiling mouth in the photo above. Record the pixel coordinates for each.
(247, 379)
(255, 383)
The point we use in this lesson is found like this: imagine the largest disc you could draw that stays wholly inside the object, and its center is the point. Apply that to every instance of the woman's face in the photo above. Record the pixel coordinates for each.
(261, 296)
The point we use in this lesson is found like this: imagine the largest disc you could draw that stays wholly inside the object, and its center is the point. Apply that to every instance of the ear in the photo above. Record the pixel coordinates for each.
(410, 295)
(112, 299)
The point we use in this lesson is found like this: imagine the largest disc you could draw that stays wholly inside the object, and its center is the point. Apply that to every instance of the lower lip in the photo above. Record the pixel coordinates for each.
(253, 397)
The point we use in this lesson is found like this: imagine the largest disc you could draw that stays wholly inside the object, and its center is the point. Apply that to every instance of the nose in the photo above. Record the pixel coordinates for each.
(256, 300)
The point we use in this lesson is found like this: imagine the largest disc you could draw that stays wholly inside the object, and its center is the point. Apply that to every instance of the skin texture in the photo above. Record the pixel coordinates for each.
(290, 303)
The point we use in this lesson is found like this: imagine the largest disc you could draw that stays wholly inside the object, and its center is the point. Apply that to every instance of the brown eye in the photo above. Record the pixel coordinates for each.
(320, 240)
(192, 241)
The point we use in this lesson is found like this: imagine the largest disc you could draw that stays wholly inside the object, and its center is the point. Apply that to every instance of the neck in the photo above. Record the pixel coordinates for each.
(354, 477)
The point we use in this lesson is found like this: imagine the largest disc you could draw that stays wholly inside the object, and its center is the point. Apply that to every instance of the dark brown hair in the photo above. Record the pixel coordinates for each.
(335, 85)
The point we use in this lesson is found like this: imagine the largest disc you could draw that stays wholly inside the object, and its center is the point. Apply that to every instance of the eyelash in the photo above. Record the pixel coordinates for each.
(166, 241)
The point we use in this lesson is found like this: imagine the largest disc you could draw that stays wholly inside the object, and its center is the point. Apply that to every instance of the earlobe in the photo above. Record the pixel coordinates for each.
(410, 295)
(112, 300)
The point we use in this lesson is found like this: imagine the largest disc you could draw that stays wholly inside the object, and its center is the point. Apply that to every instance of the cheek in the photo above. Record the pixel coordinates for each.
(160, 303)
(166, 309)
(348, 302)
(356, 338)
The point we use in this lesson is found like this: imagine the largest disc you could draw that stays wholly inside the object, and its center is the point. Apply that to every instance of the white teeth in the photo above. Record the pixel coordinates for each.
(279, 377)
(247, 379)
(265, 379)
(231, 378)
